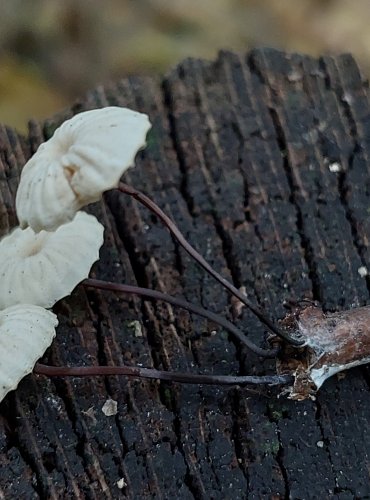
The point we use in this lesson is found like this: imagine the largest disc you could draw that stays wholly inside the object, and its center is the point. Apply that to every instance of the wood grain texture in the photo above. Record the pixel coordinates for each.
(239, 155)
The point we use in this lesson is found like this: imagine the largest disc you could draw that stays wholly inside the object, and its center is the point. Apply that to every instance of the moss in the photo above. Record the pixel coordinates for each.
(151, 139)
(271, 447)
(277, 412)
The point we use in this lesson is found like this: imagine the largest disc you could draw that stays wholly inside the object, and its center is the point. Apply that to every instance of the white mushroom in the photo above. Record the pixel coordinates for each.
(26, 331)
(41, 268)
(86, 156)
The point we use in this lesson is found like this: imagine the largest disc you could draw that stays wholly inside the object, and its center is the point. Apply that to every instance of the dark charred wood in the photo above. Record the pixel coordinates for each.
(263, 162)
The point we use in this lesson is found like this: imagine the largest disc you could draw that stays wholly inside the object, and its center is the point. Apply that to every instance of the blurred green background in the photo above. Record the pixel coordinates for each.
(52, 51)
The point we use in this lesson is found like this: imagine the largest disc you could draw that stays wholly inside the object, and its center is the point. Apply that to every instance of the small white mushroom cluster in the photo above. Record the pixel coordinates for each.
(56, 245)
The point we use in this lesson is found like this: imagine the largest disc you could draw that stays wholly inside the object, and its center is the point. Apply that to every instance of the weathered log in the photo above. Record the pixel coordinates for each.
(263, 161)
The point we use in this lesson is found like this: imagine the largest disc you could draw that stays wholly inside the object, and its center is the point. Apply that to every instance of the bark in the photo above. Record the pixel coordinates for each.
(263, 162)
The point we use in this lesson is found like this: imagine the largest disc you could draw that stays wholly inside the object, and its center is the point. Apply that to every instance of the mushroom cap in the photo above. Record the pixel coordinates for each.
(41, 268)
(86, 156)
(26, 331)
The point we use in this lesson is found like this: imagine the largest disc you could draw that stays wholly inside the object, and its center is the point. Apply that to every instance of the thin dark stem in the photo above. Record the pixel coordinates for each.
(176, 233)
(139, 372)
(154, 294)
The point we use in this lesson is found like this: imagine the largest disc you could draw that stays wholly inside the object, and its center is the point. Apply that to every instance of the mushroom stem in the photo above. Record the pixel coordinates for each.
(154, 294)
(150, 373)
(176, 233)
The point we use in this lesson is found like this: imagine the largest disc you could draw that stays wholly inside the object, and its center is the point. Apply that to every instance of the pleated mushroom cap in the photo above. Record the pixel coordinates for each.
(42, 268)
(86, 156)
(26, 331)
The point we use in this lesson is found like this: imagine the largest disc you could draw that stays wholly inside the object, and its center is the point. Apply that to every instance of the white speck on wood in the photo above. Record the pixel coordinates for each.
(136, 327)
(335, 167)
(362, 271)
(121, 483)
(109, 408)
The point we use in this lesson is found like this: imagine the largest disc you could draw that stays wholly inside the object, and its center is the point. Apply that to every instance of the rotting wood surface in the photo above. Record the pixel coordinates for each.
(263, 161)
